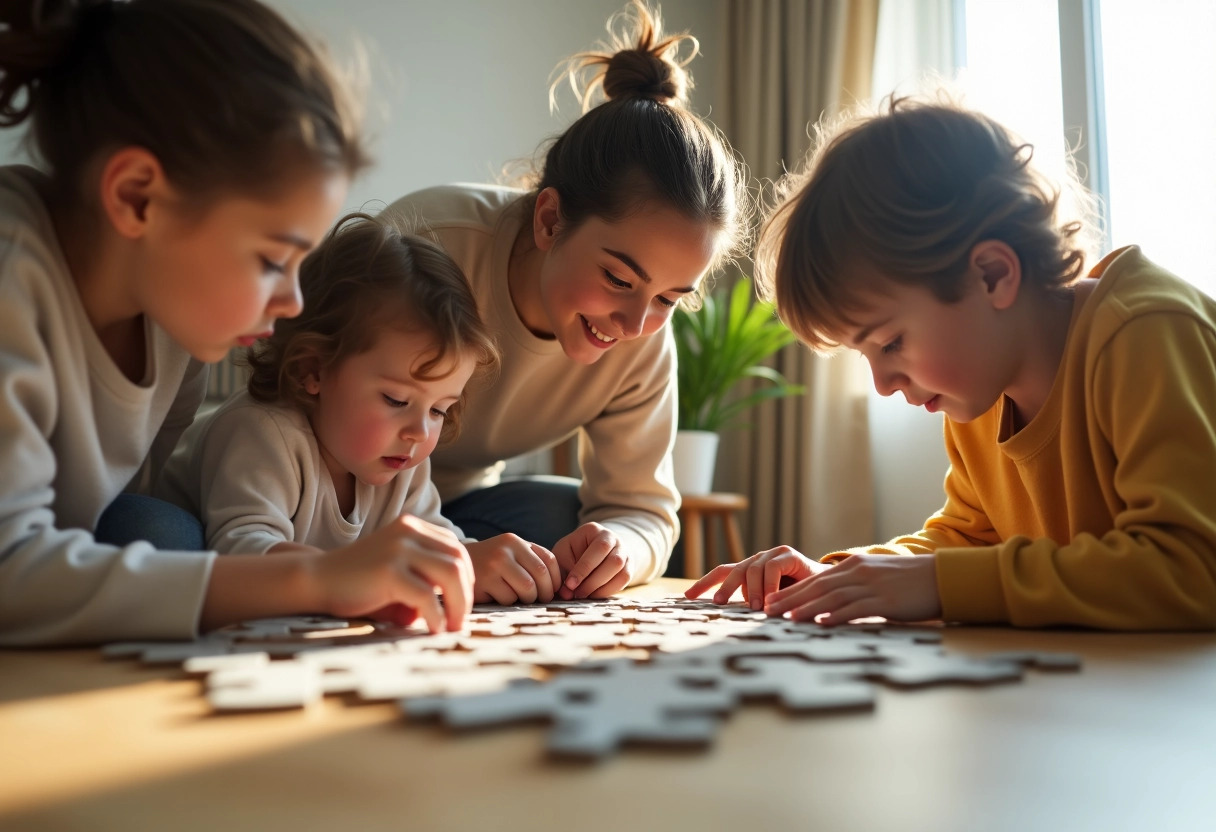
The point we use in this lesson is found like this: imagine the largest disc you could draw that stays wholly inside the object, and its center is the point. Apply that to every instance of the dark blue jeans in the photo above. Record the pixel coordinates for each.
(541, 509)
(133, 517)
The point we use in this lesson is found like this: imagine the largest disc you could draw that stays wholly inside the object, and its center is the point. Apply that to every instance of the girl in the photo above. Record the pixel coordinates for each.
(344, 405)
(578, 277)
(182, 185)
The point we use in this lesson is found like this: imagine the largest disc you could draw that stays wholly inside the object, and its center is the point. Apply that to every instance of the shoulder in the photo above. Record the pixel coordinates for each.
(1135, 295)
(242, 416)
(458, 206)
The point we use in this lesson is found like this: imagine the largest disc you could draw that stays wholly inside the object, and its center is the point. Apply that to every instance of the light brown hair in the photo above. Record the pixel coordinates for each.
(642, 145)
(226, 94)
(365, 277)
(905, 194)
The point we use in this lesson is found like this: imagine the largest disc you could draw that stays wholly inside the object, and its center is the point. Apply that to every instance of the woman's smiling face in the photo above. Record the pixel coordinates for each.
(603, 283)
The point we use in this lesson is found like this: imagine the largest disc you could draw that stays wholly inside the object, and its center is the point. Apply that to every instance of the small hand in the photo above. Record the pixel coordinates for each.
(402, 563)
(896, 587)
(760, 575)
(508, 568)
(591, 559)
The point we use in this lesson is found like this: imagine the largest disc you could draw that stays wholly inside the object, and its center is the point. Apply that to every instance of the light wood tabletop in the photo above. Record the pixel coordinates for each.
(1127, 743)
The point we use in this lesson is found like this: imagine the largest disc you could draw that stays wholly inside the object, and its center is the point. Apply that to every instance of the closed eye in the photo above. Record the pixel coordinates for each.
(271, 267)
(893, 346)
(439, 414)
(391, 402)
(665, 302)
(616, 281)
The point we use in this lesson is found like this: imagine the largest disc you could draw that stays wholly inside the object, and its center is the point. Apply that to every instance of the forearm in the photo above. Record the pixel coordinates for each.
(243, 587)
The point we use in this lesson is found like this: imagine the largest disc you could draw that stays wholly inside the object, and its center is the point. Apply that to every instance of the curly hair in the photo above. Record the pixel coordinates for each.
(366, 276)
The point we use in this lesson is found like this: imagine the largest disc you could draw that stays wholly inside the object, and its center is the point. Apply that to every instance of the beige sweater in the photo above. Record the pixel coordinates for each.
(623, 406)
(253, 472)
(74, 432)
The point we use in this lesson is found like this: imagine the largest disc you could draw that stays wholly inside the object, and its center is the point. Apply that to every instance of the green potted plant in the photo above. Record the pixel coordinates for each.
(718, 346)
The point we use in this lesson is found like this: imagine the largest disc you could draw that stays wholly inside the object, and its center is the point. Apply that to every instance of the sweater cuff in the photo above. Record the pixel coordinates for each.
(969, 583)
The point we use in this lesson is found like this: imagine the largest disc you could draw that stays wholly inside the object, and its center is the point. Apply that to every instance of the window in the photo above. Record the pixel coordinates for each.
(1126, 84)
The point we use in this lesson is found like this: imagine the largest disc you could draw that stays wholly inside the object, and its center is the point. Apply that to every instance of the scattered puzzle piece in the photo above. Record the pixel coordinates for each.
(547, 661)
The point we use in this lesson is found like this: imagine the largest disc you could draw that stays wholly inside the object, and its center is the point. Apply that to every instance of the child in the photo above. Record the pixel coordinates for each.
(1079, 409)
(344, 405)
(578, 277)
(182, 186)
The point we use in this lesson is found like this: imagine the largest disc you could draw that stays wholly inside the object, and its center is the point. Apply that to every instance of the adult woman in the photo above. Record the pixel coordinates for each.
(578, 277)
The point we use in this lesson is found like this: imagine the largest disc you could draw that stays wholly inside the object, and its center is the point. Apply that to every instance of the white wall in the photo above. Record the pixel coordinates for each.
(460, 88)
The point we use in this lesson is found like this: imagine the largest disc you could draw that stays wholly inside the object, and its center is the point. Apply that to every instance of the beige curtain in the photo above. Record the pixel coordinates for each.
(805, 461)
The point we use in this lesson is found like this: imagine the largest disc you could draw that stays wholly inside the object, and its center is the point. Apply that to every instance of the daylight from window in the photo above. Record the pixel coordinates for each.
(1159, 67)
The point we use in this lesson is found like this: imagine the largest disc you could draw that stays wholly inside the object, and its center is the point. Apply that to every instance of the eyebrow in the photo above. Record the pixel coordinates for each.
(865, 332)
(640, 272)
(412, 383)
(293, 240)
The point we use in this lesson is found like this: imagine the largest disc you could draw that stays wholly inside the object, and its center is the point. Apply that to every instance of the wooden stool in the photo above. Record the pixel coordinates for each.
(699, 539)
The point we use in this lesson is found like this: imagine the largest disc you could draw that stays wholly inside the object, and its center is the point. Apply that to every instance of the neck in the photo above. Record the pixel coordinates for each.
(101, 271)
(1044, 336)
(523, 281)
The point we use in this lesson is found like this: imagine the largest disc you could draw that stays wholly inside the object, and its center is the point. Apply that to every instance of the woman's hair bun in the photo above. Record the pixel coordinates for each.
(638, 62)
(638, 73)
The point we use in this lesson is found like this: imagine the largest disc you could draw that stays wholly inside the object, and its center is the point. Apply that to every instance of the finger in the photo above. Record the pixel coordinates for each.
(800, 593)
(823, 581)
(832, 602)
(861, 608)
(446, 574)
(614, 585)
(773, 574)
(609, 568)
(395, 613)
(754, 591)
(532, 559)
(555, 574)
(733, 580)
(598, 549)
(417, 592)
(523, 587)
(711, 579)
(500, 591)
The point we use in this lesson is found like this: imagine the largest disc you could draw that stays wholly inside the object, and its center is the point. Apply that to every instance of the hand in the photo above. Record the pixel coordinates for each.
(404, 563)
(591, 559)
(508, 568)
(760, 576)
(896, 587)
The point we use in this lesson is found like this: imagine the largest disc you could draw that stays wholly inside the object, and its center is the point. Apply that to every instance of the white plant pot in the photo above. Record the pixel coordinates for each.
(693, 461)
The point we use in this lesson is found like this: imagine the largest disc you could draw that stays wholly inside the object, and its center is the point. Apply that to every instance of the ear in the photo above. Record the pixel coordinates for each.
(1000, 269)
(131, 181)
(545, 218)
(312, 383)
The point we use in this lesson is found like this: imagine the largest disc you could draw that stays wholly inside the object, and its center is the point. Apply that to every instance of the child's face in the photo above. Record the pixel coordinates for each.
(955, 358)
(373, 418)
(221, 280)
(604, 283)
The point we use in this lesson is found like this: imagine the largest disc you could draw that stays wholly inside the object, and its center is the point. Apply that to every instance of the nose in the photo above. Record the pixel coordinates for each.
(886, 381)
(416, 427)
(287, 301)
(631, 322)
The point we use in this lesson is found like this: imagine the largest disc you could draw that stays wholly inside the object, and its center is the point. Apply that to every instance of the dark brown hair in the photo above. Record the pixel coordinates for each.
(365, 277)
(905, 194)
(642, 144)
(224, 93)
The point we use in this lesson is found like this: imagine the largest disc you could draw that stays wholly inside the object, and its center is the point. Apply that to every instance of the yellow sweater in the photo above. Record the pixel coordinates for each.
(1102, 511)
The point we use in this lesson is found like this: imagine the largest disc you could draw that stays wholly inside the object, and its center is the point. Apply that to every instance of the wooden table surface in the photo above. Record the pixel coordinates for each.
(1127, 743)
